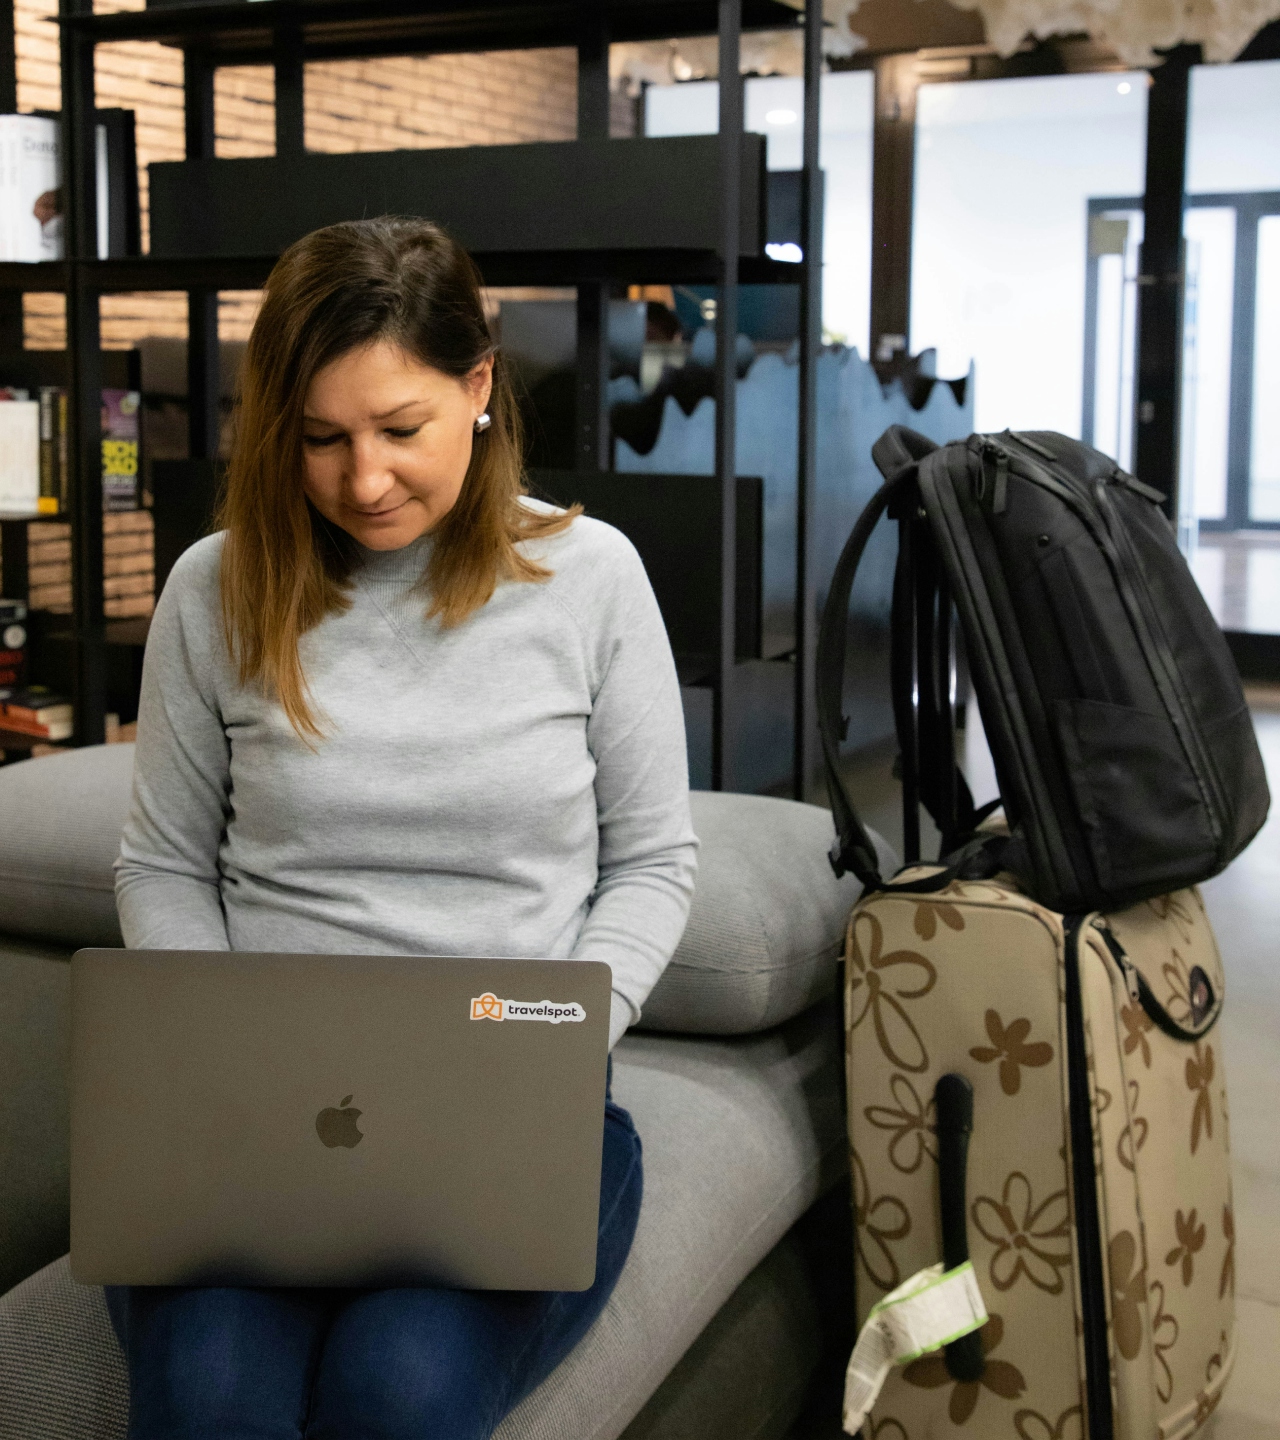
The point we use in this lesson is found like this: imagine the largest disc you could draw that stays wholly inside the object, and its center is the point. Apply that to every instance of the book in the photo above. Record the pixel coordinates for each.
(62, 452)
(31, 197)
(55, 730)
(13, 643)
(20, 457)
(31, 188)
(35, 708)
(53, 449)
(120, 449)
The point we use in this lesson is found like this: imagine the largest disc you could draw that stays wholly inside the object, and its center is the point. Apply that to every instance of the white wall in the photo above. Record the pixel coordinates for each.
(1003, 175)
(1233, 128)
(844, 152)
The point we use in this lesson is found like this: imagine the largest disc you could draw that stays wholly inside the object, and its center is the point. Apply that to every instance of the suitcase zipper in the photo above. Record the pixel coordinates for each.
(1132, 979)
(1140, 993)
(1093, 1295)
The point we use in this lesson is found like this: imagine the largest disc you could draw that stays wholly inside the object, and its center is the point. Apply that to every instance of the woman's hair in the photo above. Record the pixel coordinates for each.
(405, 282)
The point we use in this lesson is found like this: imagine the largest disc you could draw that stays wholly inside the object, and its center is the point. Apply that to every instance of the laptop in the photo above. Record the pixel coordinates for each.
(336, 1120)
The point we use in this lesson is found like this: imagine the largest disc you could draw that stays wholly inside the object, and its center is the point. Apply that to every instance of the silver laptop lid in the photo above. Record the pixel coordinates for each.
(268, 1119)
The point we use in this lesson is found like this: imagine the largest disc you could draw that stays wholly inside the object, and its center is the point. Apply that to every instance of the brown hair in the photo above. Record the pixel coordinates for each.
(283, 569)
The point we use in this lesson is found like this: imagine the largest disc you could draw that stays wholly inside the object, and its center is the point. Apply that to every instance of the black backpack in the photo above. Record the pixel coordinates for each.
(1123, 747)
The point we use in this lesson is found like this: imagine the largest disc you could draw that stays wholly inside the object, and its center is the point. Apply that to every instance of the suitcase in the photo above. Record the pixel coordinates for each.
(1096, 1200)
(1035, 1090)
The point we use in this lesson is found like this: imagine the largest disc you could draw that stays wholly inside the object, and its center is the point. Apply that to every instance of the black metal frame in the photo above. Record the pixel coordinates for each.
(1250, 207)
(1161, 273)
(287, 34)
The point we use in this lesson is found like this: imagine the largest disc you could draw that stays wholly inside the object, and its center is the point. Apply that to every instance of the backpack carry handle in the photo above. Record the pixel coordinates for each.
(896, 454)
(898, 449)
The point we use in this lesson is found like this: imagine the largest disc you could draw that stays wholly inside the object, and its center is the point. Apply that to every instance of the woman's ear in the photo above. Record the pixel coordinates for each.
(479, 382)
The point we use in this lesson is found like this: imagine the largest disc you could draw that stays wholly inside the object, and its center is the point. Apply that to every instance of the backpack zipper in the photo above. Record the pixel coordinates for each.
(1181, 716)
(999, 457)
(1108, 536)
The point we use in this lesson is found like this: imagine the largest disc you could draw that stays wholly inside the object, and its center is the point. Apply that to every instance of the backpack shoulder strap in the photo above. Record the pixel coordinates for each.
(897, 454)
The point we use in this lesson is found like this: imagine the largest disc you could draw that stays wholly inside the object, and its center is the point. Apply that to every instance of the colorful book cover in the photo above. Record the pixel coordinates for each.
(120, 449)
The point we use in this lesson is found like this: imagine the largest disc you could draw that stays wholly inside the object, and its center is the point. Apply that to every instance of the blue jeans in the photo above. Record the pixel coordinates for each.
(430, 1364)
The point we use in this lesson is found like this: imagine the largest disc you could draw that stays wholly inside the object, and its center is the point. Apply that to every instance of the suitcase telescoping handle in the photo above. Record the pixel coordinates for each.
(953, 1108)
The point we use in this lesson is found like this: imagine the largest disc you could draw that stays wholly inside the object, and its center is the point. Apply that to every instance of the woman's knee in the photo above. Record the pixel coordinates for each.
(219, 1362)
(406, 1377)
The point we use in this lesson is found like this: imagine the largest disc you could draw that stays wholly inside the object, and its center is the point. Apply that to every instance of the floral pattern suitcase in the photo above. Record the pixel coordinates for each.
(1097, 1196)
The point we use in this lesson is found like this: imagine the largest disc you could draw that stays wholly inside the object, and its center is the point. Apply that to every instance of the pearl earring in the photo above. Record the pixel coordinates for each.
(482, 422)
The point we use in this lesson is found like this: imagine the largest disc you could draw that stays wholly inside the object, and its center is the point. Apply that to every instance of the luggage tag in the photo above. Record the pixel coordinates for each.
(931, 1309)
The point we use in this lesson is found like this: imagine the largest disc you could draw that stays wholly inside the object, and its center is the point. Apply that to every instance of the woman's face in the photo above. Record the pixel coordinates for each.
(386, 442)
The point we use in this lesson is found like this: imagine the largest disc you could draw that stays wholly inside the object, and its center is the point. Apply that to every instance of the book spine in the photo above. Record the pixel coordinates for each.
(48, 502)
(13, 665)
(59, 730)
(52, 715)
(62, 481)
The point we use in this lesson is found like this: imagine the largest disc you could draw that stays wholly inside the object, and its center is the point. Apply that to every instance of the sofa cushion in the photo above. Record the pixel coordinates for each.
(35, 988)
(740, 1137)
(767, 920)
(61, 834)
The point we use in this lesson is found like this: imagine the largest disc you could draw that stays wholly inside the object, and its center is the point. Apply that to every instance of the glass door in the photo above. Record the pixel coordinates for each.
(1264, 449)
(1111, 313)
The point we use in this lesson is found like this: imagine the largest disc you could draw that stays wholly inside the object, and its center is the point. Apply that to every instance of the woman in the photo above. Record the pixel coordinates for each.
(396, 707)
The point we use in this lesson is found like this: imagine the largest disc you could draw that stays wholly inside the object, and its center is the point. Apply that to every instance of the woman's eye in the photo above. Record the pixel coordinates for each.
(319, 442)
(405, 433)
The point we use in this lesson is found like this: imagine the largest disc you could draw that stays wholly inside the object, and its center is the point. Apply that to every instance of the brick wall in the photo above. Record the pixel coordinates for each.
(385, 104)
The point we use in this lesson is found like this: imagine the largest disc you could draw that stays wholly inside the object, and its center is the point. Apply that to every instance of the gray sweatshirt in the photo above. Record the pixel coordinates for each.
(515, 786)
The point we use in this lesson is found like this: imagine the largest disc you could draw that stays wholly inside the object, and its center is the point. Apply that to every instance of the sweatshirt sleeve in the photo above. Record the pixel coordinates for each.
(647, 854)
(167, 878)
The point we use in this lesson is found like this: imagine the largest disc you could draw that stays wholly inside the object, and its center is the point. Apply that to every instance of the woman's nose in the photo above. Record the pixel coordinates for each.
(369, 477)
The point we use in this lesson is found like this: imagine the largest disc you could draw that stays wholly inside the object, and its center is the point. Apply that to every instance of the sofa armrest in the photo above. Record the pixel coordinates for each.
(35, 993)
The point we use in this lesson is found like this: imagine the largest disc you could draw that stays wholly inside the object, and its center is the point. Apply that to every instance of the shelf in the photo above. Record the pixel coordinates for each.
(498, 267)
(34, 275)
(243, 33)
(548, 196)
(125, 633)
(20, 740)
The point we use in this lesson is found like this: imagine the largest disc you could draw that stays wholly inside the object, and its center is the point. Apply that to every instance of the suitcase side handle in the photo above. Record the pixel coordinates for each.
(953, 1108)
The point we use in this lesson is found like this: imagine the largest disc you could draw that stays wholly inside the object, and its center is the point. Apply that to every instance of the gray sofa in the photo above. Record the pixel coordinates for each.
(734, 1295)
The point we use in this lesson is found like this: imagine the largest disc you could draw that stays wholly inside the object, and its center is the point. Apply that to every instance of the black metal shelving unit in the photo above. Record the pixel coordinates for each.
(724, 249)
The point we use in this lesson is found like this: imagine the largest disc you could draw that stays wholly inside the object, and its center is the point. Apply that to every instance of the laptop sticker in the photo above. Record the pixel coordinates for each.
(489, 1007)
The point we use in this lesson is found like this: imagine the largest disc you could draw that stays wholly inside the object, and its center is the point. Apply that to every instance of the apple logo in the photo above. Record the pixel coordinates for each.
(338, 1126)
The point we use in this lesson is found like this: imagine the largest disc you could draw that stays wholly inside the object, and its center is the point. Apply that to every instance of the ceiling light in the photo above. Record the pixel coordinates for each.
(789, 253)
(780, 117)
